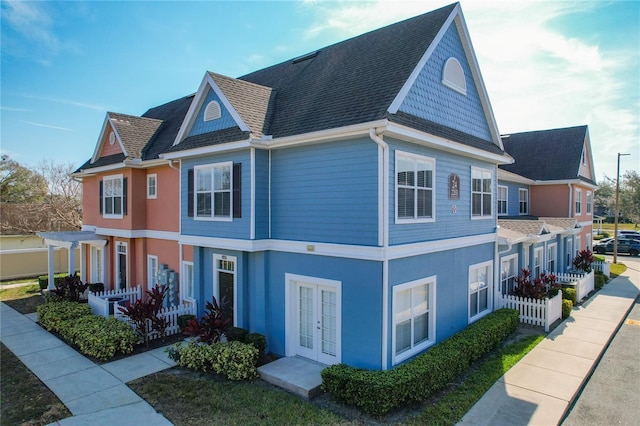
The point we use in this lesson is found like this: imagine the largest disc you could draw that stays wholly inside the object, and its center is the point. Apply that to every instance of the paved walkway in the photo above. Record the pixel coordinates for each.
(94, 394)
(540, 388)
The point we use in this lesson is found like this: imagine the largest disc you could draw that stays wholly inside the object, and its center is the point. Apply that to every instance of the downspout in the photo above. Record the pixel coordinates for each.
(570, 200)
(172, 166)
(383, 236)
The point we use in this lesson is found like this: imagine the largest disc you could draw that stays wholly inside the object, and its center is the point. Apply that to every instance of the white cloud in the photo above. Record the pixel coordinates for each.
(48, 126)
(65, 101)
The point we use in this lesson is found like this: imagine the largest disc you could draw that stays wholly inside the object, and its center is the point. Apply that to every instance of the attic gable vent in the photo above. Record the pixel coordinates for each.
(305, 57)
(453, 76)
(112, 138)
(212, 111)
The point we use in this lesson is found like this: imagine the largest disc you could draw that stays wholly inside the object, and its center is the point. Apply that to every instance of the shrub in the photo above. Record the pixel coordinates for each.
(184, 319)
(145, 316)
(569, 293)
(235, 360)
(213, 324)
(69, 288)
(51, 315)
(43, 280)
(540, 288)
(236, 334)
(583, 261)
(259, 341)
(599, 280)
(567, 306)
(96, 287)
(377, 392)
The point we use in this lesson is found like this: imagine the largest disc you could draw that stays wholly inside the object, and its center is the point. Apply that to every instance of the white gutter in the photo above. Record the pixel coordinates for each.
(570, 200)
(172, 166)
(383, 232)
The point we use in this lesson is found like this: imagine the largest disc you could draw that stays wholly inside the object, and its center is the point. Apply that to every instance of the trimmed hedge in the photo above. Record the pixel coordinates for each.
(599, 279)
(235, 360)
(567, 306)
(43, 280)
(569, 293)
(377, 392)
(96, 336)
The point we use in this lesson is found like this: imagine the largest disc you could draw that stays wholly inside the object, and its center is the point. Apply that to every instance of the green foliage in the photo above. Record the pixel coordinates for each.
(69, 288)
(259, 341)
(567, 306)
(184, 319)
(599, 279)
(539, 288)
(145, 314)
(583, 261)
(95, 336)
(236, 334)
(569, 293)
(96, 287)
(235, 360)
(19, 184)
(214, 323)
(377, 392)
(43, 280)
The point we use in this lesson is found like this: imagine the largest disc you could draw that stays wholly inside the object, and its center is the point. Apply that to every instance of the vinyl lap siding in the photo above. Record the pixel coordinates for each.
(326, 193)
(224, 122)
(447, 224)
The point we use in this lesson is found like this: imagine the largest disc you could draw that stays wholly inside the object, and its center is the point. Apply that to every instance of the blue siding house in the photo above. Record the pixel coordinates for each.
(345, 201)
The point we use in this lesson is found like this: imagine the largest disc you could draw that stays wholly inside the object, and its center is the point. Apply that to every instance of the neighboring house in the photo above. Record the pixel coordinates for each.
(545, 201)
(343, 202)
(130, 201)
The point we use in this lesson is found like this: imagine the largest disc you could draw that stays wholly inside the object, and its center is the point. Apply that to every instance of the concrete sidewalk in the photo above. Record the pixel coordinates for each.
(540, 388)
(94, 394)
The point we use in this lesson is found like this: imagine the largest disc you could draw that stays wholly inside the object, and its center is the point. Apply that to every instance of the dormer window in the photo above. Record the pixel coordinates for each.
(453, 76)
(212, 111)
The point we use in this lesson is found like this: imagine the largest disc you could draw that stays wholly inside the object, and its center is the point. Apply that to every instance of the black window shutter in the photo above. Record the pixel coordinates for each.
(190, 192)
(124, 196)
(237, 193)
(101, 197)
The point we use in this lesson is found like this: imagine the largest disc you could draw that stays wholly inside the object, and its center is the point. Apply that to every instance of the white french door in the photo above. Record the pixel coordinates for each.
(316, 329)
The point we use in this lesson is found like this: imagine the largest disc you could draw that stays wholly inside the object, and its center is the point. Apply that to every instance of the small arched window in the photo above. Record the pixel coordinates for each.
(453, 76)
(212, 111)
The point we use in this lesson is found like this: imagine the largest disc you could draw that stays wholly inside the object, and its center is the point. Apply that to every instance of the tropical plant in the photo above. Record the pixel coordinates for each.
(69, 289)
(583, 261)
(145, 314)
(212, 325)
(539, 288)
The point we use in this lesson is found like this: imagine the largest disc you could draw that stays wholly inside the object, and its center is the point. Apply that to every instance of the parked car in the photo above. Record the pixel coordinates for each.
(629, 234)
(625, 245)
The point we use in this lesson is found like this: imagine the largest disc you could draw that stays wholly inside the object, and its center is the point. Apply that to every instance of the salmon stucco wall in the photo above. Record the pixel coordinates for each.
(550, 200)
(163, 212)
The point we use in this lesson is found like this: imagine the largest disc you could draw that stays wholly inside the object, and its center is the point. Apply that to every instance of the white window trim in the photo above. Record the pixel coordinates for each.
(452, 65)
(538, 251)
(416, 157)
(589, 203)
(504, 259)
(569, 254)
(152, 280)
(489, 266)
(212, 111)
(183, 283)
(506, 200)
(555, 256)
(216, 284)
(153, 196)
(214, 218)
(578, 204)
(104, 197)
(431, 286)
(578, 244)
(520, 192)
(481, 216)
(117, 263)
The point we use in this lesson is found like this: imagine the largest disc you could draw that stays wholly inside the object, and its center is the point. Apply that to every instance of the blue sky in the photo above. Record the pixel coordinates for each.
(545, 64)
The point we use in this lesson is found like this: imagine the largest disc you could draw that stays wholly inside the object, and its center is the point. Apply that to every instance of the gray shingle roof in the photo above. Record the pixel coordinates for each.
(232, 134)
(172, 114)
(553, 154)
(134, 131)
(251, 101)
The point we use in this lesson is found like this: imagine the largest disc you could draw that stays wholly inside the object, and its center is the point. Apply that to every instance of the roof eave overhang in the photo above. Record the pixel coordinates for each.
(565, 182)
(513, 177)
(426, 139)
(208, 150)
(135, 163)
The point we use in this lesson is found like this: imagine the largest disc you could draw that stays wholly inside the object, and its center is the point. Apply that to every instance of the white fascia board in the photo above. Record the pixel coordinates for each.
(463, 31)
(404, 91)
(126, 164)
(426, 139)
(131, 233)
(329, 135)
(586, 223)
(427, 247)
(513, 177)
(95, 170)
(565, 182)
(196, 105)
(207, 150)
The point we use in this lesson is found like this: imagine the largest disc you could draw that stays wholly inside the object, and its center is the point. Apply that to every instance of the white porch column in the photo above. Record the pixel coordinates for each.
(83, 269)
(50, 265)
(104, 266)
(72, 258)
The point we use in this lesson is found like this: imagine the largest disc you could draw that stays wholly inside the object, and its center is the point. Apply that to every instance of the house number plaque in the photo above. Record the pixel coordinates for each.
(454, 186)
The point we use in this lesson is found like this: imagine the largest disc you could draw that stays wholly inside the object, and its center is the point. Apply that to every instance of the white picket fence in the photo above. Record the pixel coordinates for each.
(583, 283)
(543, 312)
(99, 301)
(170, 314)
(603, 267)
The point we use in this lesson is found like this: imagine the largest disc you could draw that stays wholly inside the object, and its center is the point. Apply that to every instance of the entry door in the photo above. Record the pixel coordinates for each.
(318, 330)
(121, 265)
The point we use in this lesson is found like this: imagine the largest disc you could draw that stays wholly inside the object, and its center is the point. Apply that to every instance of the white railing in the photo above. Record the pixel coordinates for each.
(100, 301)
(582, 282)
(603, 267)
(542, 312)
(170, 315)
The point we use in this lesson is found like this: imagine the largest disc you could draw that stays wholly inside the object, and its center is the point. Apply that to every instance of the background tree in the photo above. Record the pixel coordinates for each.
(630, 196)
(64, 195)
(18, 184)
(605, 196)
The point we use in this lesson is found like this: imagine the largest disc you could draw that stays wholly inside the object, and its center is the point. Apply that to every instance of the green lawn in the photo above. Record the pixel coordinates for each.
(24, 299)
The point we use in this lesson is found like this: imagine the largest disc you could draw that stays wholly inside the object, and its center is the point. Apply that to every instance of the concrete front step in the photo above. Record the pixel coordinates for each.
(294, 374)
